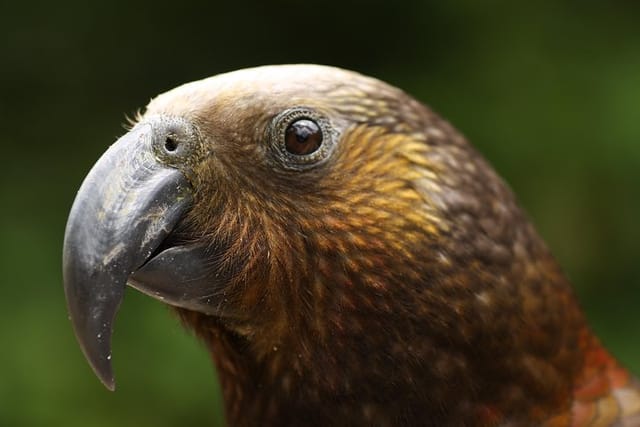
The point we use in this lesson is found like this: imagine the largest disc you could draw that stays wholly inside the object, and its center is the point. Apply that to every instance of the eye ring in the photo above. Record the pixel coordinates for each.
(302, 137)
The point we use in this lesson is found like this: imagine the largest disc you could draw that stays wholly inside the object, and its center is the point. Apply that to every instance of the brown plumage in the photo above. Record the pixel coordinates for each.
(388, 278)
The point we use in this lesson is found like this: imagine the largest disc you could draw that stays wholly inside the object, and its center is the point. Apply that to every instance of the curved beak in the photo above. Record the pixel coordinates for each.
(126, 207)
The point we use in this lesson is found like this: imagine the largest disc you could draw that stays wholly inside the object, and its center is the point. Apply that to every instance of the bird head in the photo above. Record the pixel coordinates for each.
(323, 220)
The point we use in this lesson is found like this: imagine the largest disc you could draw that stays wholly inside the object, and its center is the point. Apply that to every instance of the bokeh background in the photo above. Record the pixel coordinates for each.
(548, 90)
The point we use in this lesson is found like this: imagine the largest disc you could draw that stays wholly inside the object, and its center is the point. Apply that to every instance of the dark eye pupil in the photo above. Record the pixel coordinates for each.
(302, 137)
(170, 144)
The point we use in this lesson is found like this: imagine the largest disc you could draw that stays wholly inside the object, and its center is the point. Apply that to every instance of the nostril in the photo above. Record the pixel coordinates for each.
(170, 144)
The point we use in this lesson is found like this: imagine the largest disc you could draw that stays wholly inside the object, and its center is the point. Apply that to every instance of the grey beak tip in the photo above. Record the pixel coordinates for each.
(105, 373)
(109, 382)
(97, 351)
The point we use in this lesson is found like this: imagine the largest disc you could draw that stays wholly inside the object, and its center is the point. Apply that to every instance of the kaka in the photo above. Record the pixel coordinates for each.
(345, 255)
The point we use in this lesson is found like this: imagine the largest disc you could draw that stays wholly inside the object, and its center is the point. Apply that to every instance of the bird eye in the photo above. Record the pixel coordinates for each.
(170, 144)
(302, 137)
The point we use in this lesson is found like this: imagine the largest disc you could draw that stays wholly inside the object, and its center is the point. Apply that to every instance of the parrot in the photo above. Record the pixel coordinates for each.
(346, 256)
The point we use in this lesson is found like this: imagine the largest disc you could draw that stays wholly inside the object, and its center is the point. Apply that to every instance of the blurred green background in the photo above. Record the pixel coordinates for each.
(549, 91)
